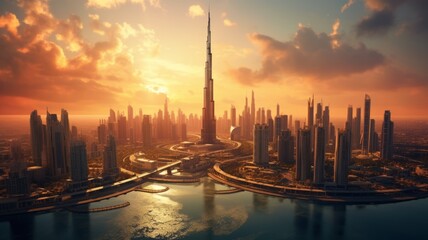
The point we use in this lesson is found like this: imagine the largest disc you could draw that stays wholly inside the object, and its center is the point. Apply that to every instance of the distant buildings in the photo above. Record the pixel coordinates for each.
(55, 147)
(366, 129)
(319, 155)
(79, 161)
(342, 157)
(387, 137)
(285, 147)
(147, 131)
(36, 133)
(303, 155)
(261, 144)
(110, 162)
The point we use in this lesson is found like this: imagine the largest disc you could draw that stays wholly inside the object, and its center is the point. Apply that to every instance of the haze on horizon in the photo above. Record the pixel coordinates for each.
(91, 55)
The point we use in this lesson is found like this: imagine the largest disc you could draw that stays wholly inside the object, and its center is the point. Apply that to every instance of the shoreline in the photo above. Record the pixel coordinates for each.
(318, 195)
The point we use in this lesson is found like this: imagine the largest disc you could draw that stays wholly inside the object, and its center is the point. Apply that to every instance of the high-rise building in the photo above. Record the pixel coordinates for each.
(208, 132)
(102, 132)
(349, 118)
(233, 116)
(36, 132)
(365, 143)
(73, 133)
(79, 161)
(17, 182)
(277, 131)
(296, 127)
(284, 122)
(318, 115)
(387, 136)
(147, 131)
(55, 147)
(109, 159)
(121, 129)
(261, 144)
(271, 129)
(356, 130)
(253, 110)
(303, 155)
(373, 137)
(319, 155)
(310, 112)
(67, 138)
(130, 124)
(285, 147)
(342, 157)
(326, 124)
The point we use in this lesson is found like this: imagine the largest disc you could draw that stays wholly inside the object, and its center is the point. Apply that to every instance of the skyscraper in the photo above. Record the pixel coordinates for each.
(387, 136)
(310, 120)
(319, 155)
(208, 132)
(253, 110)
(233, 115)
(342, 157)
(67, 139)
(261, 144)
(109, 160)
(79, 161)
(303, 155)
(147, 131)
(55, 147)
(121, 129)
(130, 124)
(36, 131)
(349, 118)
(365, 143)
(326, 124)
(356, 128)
(285, 147)
(373, 137)
(102, 132)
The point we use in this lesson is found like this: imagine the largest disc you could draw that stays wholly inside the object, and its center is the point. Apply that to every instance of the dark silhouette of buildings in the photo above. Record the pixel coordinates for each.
(79, 161)
(387, 137)
(319, 154)
(285, 147)
(147, 131)
(342, 157)
(261, 144)
(303, 155)
(36, 132)
(109, 160)
(366, 129)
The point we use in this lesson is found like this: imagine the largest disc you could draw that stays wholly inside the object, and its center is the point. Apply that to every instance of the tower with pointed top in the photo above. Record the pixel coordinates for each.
(208, 131)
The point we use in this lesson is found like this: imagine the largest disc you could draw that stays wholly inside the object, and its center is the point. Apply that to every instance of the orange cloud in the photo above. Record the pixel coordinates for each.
(196, 11)
(36, 69)
(308, 54)
(10, 22)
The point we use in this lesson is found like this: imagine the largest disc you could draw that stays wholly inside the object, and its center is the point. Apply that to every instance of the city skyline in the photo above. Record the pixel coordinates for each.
(112, 54)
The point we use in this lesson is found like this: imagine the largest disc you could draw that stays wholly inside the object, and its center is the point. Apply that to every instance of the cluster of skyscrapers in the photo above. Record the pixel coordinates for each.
(307, 146)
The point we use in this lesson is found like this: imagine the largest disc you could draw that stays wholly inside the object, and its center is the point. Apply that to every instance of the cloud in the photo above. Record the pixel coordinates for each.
(196, 11)
(308, 54)
(383, 17)
(229, 23)
(10, 22)
(347, 5)
(377, 23)
(35, 66)
(115, 3)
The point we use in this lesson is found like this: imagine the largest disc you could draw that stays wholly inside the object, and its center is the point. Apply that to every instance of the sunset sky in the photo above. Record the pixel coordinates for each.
(91, 55)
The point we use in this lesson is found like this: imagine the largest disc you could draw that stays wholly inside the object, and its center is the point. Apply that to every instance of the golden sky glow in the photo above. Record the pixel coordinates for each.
(89, 56)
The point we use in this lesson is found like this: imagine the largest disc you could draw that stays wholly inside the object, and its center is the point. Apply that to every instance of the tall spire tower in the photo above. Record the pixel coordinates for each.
(208, 132)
